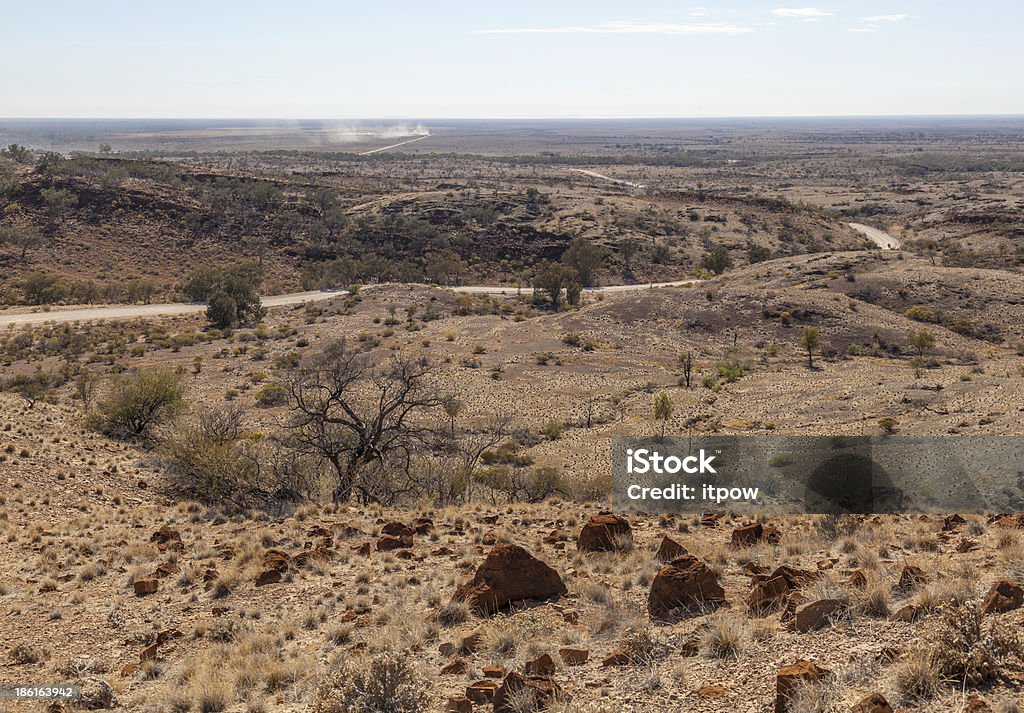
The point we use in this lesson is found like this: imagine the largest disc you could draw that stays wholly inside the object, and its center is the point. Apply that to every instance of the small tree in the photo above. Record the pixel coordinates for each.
(363, 420)
(585, 259)
(663, 409)
(811, 341)
(139, 401)
(31, 387)
(21, 239)
(717, 261)
(551, 280)
(686, 362)
(922, 341)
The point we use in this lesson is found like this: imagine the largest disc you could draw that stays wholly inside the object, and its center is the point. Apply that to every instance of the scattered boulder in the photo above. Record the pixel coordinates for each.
(604, 533)
(749, 535)
(276, 560)
(509, 574)
(455, 667)
(794, 576)
(543, 665)
(386, 543)
(857, 579)
(167, 538)
(911, 577)
(493, 671)
(712, 692)
(687, 583)
(908, 614)
(268, 576)
(459, 704)
(767, 595)
(620, 657)
(789, 679)
(670, 550)
(572, 656)
(509, 697)
(147, 585)
(875, 703)
(481, 691)
(1003, 596)
(817, 615)
(976, 704)
(952, 522)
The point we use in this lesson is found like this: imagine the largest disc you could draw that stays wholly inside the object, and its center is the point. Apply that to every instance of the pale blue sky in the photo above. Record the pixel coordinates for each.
(254, 58)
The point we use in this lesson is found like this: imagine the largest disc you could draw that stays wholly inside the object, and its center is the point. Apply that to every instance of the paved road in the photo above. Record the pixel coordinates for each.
(879, 237)
(122, 312)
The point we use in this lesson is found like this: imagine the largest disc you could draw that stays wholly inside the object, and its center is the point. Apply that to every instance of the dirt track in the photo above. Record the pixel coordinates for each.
(119, 312)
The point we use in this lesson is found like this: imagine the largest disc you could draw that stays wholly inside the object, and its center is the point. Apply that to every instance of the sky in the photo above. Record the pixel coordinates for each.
(550, 58)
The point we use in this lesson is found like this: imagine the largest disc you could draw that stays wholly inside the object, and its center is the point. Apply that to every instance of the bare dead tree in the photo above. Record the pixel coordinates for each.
(363, 418)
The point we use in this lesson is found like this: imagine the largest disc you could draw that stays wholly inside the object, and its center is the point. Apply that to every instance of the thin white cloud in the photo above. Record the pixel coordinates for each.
(872, 19)
(801, 12)
(861, 29)
(625, 28)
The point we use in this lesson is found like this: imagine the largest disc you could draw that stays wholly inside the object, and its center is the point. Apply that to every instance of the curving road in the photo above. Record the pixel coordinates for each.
(122, 312)
(879, 237)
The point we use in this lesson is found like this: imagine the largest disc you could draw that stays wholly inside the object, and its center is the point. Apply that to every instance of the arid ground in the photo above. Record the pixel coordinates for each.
(198, 561)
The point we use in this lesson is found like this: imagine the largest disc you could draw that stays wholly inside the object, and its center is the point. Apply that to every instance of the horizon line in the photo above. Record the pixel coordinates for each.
(532, 117)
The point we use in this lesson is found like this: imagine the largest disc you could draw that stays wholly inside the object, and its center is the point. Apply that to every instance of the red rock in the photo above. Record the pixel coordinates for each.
(977, 705)
(268, 576)
(149, 585)
(795, 577)
(790, 678)
(363, 549)
(459, 704)
(712, 692)
(397, 529)
(1003, 596)
(543, 665)
(911, 576)
(817, 615)
(952, 522)
(747, 535)
(166, 569)
(858, 579)
(129, 669)
(875, 703)
(572, 656)
(604, 533)
(687, 583)
(767, 595)
(621, 657)
(455, 667)
(423, 525)
(908, 614)
(276, 560)
(481, 691)
(543, 688)
(167, 538)
(219, 611)
(670, 550)
(148, 653)
(509, 574)
(388, 542)
(493, 672)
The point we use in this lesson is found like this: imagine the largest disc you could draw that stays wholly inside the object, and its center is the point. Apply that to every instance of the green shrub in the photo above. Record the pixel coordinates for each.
(138, 402)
